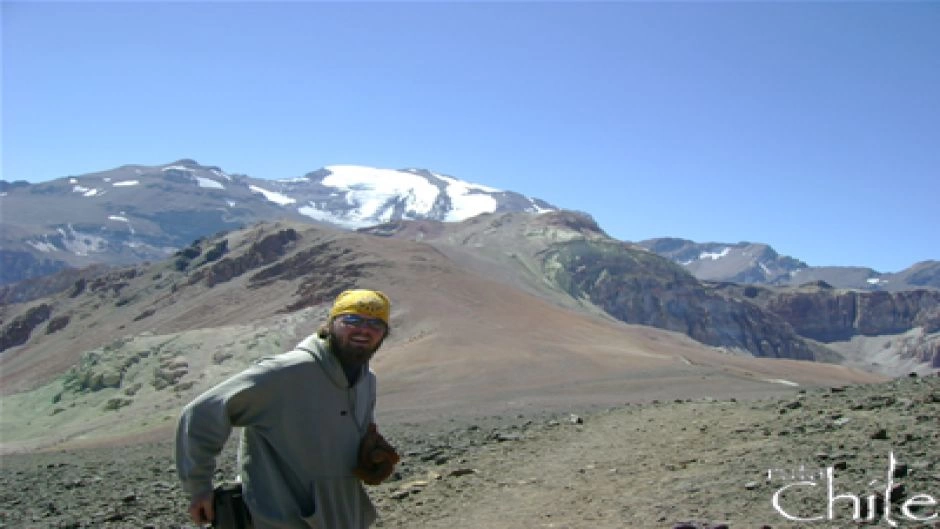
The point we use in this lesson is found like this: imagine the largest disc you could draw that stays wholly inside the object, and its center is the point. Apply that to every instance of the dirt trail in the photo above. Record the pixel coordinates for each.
(706, 462)
(640, 466)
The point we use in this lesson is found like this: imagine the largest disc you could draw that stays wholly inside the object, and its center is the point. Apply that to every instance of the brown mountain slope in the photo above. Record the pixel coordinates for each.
(116, 357)
(563, 256)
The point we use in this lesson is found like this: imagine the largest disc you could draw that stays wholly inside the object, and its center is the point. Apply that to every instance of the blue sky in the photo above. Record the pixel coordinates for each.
(814, 127)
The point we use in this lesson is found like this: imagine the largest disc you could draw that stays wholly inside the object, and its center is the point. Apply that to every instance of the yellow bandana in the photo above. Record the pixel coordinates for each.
(369, 303)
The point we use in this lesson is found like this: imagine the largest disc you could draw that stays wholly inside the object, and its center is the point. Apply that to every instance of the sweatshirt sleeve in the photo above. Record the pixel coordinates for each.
(206, 423)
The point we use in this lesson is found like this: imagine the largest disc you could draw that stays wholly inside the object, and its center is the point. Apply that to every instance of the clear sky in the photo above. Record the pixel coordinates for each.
(813, 127)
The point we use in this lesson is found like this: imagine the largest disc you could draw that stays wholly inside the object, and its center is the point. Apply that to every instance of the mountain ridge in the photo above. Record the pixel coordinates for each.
(760, 264)
(137, 213)
(112, 356)
(499, 311)
(95, 218)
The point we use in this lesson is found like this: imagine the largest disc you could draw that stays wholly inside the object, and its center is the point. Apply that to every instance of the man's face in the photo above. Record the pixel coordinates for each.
(356, 338)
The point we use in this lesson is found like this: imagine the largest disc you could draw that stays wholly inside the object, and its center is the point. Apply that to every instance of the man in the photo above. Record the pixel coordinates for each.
(309, 435)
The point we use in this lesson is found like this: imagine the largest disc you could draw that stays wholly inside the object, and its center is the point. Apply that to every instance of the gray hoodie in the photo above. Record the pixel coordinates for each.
(302, 426)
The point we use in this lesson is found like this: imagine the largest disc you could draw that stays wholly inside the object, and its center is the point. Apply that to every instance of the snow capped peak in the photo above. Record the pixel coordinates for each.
(147, 211)
(347, 195)
(368, 189)
(356, 196)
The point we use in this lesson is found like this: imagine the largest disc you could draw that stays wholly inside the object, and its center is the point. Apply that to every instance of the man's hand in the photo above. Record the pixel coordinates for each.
(377, 458)
(201, 509)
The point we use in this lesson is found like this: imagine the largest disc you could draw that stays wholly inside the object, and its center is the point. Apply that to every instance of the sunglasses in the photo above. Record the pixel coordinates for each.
(355, 320)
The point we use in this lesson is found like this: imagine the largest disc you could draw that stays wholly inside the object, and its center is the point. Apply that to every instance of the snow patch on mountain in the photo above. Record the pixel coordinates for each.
(82, 243)
(208, 183)
(318, 214)
(374, 196)
(371, 191)
(713, 255)
(126, 183)
(220, 174)
(42, 246)
(70, 240)
(85, 191)
(272, 196)
(468, 200)
(125, 220)
(355, 196)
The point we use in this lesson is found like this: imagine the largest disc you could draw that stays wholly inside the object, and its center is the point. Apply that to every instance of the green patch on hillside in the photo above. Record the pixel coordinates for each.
(583, 267)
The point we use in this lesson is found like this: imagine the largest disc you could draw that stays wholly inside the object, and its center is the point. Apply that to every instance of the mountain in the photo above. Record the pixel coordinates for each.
(495, 313)
(560, 257)
(760, 264)
(743, 262)
(889, 332)
(145, 213)
(565, 256)
(517, 305)
(137, 213)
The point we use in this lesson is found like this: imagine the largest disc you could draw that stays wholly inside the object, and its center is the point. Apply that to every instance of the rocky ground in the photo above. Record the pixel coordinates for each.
(689, 463)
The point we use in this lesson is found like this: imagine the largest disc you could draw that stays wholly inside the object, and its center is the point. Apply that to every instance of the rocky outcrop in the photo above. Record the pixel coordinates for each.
(830, 315)
(640, 287)
(19, 330)
(575, 221)
(275, 257)
(72, 279)
(825, 314)
(924, 348)
(263, 252)
(336, 267)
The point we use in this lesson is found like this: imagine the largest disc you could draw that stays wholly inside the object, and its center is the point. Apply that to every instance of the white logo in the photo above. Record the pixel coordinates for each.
(870, 502)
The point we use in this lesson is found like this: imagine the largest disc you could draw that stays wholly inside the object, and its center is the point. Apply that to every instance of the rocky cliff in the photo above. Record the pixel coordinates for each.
(830, 315)
(825, 314)
(640, 287)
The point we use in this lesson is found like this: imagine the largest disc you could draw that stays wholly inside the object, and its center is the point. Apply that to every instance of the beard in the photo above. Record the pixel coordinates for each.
(352, 354)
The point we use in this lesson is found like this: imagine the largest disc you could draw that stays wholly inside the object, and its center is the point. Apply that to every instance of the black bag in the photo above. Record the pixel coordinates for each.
(230, 509)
